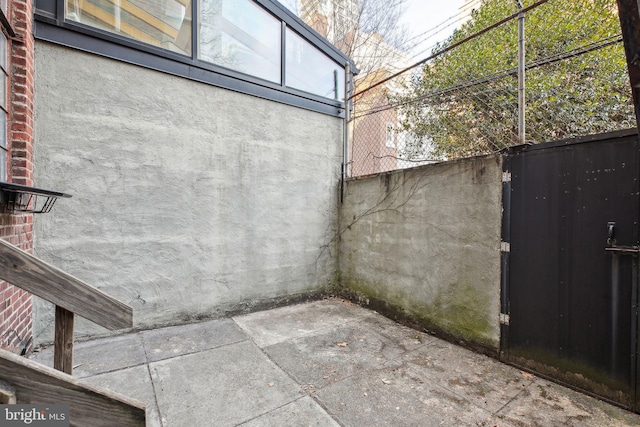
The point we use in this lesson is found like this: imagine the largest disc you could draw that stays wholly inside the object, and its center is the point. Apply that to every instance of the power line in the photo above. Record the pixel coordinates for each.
(453, 46)
(462, 13)
(557, 57)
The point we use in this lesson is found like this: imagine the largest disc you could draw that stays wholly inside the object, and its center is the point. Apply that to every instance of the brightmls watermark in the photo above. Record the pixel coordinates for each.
(35, 415)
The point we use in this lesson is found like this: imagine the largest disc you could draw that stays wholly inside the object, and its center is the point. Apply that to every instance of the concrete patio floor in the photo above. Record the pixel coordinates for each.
(325, 363)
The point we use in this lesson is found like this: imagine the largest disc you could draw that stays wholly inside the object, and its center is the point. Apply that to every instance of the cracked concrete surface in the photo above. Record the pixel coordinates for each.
(325, 363)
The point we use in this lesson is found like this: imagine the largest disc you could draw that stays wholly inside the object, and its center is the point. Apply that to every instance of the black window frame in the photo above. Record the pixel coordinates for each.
(51, 26)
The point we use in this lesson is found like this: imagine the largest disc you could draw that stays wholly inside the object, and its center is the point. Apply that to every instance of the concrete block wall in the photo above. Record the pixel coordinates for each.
(189, 201)
(423, 244)
(16, 304)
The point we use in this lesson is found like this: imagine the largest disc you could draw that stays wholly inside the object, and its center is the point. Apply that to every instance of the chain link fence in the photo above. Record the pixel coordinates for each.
(463, 100)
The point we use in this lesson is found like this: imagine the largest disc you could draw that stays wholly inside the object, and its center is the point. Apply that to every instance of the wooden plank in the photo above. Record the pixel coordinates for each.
(7, 394)
(63, 343)
(54, 285)
(89, 405)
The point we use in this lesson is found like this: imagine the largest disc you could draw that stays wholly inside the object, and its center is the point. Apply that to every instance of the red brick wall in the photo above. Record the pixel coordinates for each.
(15, 304)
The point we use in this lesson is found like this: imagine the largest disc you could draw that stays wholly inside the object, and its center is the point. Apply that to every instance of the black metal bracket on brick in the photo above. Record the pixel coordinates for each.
(22, 198)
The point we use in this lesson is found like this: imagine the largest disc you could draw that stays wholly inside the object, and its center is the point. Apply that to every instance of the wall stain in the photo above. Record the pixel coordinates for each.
(459, 313)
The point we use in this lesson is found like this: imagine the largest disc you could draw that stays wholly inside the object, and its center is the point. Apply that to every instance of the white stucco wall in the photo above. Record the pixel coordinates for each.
(188, 200)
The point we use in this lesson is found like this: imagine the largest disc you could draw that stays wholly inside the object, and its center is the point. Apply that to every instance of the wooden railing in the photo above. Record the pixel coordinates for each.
(71, 296)
(28, 382)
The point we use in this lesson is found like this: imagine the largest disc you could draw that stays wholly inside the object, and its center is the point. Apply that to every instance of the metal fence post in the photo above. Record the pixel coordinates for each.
(521, 79)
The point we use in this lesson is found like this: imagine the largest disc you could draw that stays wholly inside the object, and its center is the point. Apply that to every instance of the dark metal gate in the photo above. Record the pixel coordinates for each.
(570, 263)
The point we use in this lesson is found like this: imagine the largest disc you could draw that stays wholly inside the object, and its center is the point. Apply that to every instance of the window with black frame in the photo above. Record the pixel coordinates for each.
(240, 35)
(310, 70)
(254, 46)
(161, 23)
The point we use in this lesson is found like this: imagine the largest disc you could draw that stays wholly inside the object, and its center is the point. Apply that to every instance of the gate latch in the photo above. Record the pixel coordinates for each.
(611, 243)
(611, 231)
(629, 250)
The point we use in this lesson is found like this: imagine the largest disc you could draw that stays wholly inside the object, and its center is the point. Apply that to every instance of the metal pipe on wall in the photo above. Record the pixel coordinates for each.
(345, 154)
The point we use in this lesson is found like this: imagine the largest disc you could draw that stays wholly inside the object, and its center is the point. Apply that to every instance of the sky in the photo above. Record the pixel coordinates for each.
(422, 16)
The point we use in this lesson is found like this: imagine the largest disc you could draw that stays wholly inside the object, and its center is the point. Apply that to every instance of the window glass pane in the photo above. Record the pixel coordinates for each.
(310, 70)
(240, 35)
(162, 23)
(390, 135)
(3, 51)
(3, 129)
(3, 90)
(3, 165)
(3, 145)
